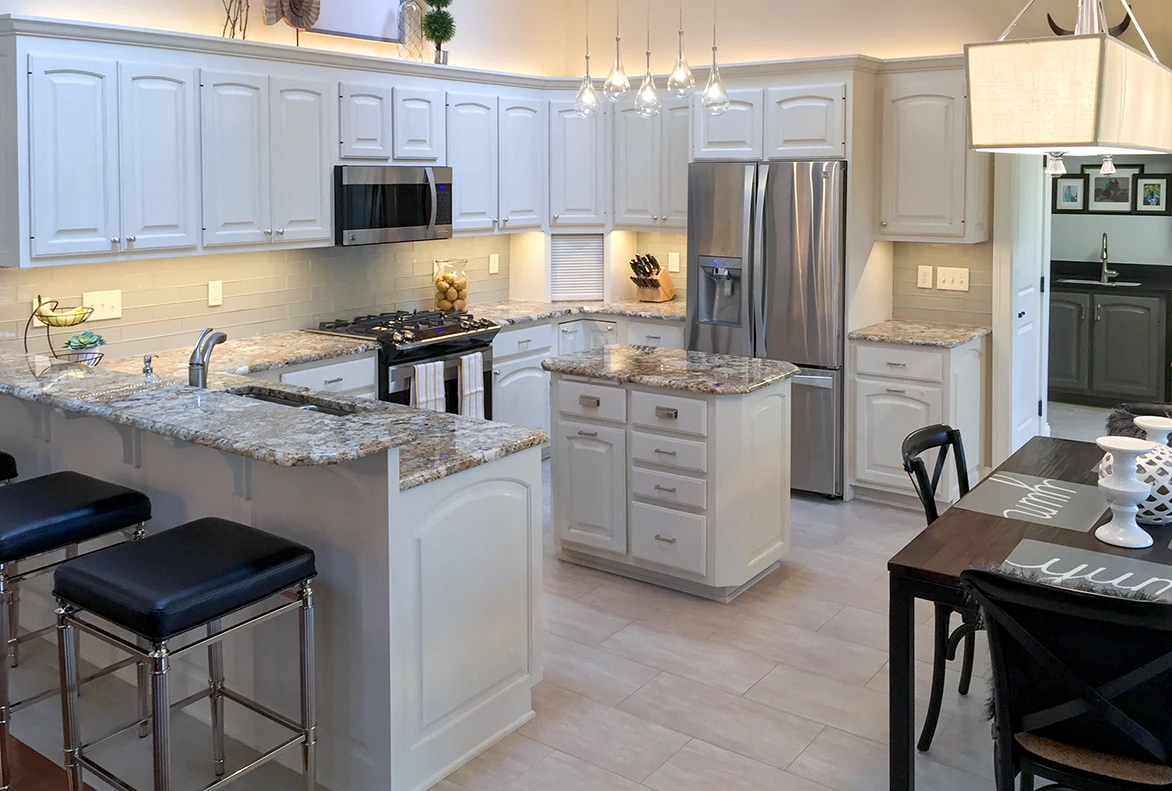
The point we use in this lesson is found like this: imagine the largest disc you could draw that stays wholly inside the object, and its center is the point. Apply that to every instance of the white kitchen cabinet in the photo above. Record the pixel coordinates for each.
(301, 205)
(662, 334)
(473, 156)
(365, 119)
(886, 412)
(651, 167)
(520, 393)
(591, 502)
(577, 167)
(420, 119)
(523, 162)
(676, 155)
(583, 334)
(73, 156)
(806, 122)
(736, 134)
(237, 191)
(932, 188)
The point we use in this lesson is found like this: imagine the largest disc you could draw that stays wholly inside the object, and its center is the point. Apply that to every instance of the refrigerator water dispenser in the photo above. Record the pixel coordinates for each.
(720, 291)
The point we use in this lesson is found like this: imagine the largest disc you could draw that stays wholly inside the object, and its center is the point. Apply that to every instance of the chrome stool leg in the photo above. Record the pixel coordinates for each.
(161, 721)
(14, 617)
(216, 682)
(71, 552)
(5, 648)
(67, 659)
(144, 692)
(308, 689)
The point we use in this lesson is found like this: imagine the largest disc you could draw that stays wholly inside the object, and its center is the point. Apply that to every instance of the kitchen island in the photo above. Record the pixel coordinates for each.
(672, 467)
(426, 527)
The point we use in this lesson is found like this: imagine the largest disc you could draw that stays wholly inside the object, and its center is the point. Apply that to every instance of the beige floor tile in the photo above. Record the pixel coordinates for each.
(829, 701)
(966, 743)
(597, 674)
(499, 765)
(561, 772)
(580, 622)
(606, 737)
(569, 579)
(726, 720)
(785, 606)
(445, 785)
(703, 767)
(710, 662)
(667, 609)
(859, 626)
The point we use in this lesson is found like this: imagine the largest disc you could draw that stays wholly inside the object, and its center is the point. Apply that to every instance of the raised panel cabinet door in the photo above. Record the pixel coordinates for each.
(590, 486)
(601, 333)
(237, 193)
(420, 131)
(520, 394)
(571, 337)
(1128, 347)
(159, 160)
(674, 157)
(474, 159)
(737, 134)
(886, 412)
(577, 167)
(523, 163)
(73, 156)
(923, 155)
(302, 187)
(638, 167)
(806, 122)
(365, 118)
(1070, 341)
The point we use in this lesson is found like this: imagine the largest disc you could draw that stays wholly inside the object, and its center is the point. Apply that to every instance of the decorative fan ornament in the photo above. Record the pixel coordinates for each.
(299, 13)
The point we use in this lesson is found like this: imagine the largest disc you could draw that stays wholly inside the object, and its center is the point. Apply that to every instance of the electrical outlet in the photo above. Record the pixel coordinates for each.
(924, 277)
(494, 263)
(106, 304)
(215, 293)
(949, 278)
(673, 262)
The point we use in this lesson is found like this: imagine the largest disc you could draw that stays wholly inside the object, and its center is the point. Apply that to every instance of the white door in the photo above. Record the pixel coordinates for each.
(806, 122)
(420, 133)
(474, 159)
(637, 168)
(590, 486)
(301, 165)
(365, 121)
(523, 163)
(73, 156)
(737, 133)
(886, 412)
(520, 394)
(674, 156)
(577, 167)
(237, 196)
(924, 146)
(159, 162)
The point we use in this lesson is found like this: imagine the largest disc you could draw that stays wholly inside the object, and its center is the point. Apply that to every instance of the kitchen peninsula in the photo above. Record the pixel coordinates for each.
(672, 467)
(426, 527)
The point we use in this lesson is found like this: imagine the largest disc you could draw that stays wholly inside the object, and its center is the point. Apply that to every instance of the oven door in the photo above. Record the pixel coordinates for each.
(381, 204)
(395, 382)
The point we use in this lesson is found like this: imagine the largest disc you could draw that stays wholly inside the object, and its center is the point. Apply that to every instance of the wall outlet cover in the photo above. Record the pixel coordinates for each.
(924, 277)
(950, 278)
(494, 263)
(673, 262)
(107, 305)
(215, 293)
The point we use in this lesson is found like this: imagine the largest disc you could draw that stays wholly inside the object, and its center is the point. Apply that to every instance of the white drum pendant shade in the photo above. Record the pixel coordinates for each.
(1081, 95)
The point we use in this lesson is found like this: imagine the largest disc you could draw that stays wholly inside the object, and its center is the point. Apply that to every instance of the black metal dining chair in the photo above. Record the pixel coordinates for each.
(941, 439)
(1081, 685)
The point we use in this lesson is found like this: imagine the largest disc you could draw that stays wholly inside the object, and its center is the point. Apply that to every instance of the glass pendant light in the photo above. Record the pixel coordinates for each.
(681, 82)
(647, 101)
(1108, 167)
(1055, 166)
(617, 87)
(715, 97)
(586, 102)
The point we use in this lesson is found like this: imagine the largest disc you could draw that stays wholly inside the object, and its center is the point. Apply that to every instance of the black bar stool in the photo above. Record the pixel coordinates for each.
(7, 468)
(41, 515)
(182, 579)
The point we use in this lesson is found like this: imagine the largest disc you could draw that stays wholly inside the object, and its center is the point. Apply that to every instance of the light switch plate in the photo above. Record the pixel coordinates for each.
(106, 304)
(673, 262)
(924, 277)
(215, 293)
(494, 263)
(949, 278)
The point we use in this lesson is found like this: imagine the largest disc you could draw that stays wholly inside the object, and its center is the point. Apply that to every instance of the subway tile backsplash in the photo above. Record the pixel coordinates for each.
(165, 305)
(659, 245)
(974, 306)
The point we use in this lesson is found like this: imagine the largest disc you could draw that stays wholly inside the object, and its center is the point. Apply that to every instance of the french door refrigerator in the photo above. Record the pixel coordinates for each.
(765, 279)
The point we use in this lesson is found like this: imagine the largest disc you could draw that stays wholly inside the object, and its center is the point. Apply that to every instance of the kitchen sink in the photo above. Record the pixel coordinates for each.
(1111, 284)
(303, 402)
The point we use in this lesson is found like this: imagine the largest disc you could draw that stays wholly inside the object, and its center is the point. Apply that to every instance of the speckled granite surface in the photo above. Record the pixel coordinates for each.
(431, 446)
(671, 369)
(520, 311)
(920, 333)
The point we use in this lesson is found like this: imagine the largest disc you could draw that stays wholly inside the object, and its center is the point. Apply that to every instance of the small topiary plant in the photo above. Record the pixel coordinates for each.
(438, 25)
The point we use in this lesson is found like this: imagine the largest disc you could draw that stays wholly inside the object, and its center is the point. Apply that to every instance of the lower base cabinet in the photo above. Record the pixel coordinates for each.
(592, 503)
(520, 393)
(886, 412)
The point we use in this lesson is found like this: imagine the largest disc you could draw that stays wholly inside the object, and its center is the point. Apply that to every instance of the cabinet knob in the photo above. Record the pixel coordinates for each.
(557, 217)
(495, 220)
(280, 232)
(883, 224)
(268, 231)
(115, 240)
(505, 221)
(656, 218)
(1021, 314)
(131, 239)
(496, 371)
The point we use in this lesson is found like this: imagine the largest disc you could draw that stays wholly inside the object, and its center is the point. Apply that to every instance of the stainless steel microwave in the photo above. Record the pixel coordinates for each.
(377, 204)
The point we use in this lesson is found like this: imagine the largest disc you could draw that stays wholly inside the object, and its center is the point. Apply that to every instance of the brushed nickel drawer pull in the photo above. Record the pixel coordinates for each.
(333, 381)
(897, 365)
(896, 390)
(664, 540)
(654, 337)
(592, 402)
(587, 433)
(666, 413)
(665, 452)
(668, 489)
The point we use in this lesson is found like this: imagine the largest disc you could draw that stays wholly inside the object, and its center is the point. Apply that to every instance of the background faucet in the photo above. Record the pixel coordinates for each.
(1107, 273)
(197, 366)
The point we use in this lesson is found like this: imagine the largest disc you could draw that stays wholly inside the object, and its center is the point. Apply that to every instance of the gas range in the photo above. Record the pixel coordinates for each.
(414, 336)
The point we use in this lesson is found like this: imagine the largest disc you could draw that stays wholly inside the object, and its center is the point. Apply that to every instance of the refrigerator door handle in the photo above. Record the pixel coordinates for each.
(757, 286)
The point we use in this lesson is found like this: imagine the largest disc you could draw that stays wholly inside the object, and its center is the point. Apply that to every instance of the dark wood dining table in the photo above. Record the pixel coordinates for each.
(930, 566)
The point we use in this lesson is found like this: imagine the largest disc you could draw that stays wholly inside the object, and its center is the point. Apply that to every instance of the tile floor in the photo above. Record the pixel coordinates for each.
(1075, 421)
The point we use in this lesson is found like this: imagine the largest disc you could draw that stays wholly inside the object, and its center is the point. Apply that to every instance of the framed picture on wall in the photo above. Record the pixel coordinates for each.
(1151, 193)
(1070, 194)
(1110, 194)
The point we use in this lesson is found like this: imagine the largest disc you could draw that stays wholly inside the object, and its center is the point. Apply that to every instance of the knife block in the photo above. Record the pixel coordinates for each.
(665, 292)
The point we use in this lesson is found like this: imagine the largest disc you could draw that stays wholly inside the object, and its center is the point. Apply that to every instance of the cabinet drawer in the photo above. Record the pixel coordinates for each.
(670, 413)
(525, 340)
(336, 377)
(595, 401)
(901, 362)
(668, 488)
(661, 335)
(679, 453)
(669, 538)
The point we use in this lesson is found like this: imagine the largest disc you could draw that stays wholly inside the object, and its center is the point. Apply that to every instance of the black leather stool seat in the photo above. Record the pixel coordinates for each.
(7, 467)
(173, 581)
(52, 511)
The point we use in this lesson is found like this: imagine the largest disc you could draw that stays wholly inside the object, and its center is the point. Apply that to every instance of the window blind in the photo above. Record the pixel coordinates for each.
(576, 267)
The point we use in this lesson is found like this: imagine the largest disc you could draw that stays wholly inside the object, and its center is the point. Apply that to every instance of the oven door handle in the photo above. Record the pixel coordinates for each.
(434, 201)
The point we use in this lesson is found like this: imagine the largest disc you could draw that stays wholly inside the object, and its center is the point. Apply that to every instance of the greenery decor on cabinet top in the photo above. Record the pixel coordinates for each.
(439, 27)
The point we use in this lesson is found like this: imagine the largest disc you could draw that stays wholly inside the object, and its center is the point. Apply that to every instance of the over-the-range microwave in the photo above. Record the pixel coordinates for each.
(377, 204)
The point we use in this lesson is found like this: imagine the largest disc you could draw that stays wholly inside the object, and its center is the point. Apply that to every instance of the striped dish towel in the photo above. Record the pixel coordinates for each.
(427, 387)
(472, 385)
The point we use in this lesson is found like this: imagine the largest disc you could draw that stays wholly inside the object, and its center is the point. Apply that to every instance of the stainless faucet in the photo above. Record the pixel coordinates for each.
(197, 366)
(1107, 273)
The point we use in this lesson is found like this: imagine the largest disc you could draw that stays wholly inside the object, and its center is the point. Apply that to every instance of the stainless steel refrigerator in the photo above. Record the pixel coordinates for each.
(765, 279)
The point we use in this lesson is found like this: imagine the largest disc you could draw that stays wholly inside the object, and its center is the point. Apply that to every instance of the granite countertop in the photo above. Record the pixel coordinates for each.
(431, 445)
(920, 333)
(672, 369)
(521, 311)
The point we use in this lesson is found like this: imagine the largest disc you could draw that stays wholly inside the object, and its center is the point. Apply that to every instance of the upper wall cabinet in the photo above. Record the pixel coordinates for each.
(651, 167)
(932, 188)
(473, 156)
(365, 121)
(420, 117)
(302, 208)
(524, 162)
(806, 122)
(577, 167)
(736, 134)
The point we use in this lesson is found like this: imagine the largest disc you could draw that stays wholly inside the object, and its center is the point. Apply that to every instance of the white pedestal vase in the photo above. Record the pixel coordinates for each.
(1155, 468)
(1124, 492)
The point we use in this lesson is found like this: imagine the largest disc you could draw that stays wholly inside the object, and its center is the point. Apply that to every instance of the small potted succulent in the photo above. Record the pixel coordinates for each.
(83, 347)
(439, 28)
